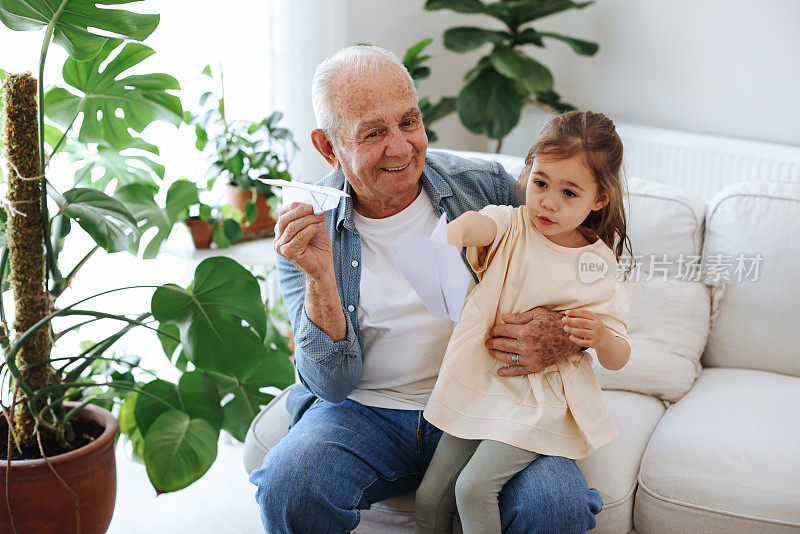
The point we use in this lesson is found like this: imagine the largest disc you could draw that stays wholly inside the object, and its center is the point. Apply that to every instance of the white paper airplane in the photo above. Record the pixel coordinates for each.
(435, 270)
(322, 198)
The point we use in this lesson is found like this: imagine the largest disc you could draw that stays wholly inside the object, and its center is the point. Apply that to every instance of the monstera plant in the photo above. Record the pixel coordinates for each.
(506, 79)
(216, 331)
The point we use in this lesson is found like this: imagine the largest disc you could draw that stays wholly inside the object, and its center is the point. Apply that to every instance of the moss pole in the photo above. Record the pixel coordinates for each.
(25, 239)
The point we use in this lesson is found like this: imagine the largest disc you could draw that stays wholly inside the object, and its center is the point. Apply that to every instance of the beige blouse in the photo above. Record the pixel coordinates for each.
(559, 411)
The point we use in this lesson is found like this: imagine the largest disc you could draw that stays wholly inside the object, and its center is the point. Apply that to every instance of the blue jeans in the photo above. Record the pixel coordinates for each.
(341, 458)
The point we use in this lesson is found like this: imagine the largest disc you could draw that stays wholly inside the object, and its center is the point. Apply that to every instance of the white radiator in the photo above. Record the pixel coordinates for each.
(704, 164)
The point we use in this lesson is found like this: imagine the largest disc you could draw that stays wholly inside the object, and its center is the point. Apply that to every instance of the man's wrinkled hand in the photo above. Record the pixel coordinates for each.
(529, 342)
(300, 237)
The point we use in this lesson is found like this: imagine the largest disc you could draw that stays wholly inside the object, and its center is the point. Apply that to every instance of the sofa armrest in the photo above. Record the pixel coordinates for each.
(267, 429)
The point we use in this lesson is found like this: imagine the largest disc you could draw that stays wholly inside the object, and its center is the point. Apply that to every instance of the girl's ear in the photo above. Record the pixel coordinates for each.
(601, 201)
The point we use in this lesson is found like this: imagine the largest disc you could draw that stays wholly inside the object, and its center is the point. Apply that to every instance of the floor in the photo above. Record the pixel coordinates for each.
(221, 502)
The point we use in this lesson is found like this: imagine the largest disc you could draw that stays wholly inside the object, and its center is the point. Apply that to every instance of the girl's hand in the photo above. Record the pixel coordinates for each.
(585, 328)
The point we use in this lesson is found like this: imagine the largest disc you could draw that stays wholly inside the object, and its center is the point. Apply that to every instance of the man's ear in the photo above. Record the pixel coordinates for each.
(601, 201)
(325, 147)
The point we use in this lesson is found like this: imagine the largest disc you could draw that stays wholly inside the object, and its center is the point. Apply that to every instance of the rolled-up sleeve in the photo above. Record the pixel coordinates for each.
(329, 369)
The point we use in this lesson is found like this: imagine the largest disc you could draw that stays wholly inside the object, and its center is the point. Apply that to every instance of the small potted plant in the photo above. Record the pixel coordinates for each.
(208, 223)
(242, 151)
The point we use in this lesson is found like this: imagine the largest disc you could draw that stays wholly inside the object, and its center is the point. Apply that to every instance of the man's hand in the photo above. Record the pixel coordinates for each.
(300, 237)
(536, 337)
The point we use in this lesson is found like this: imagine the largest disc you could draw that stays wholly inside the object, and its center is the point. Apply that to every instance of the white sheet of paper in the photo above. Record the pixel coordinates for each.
(435, 270)
(321, 198)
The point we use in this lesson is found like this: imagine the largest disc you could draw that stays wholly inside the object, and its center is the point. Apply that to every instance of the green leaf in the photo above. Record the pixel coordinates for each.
(251, 211)
(178, 450)
(459, 6)
(464, 39)
(435, 112)
(130, 166)
(414, 50)
(206, 71)
(97, 213)
(584, 48)
(127, 425)
(140, 98)
(72, 26)
(141, 202)
(196, 395)
(489, 104)
(168, 343)
(522, 11)
(209, 317)
(530, 36)
(232, 229)
(219, 237)
(148, 409)
(518, 66)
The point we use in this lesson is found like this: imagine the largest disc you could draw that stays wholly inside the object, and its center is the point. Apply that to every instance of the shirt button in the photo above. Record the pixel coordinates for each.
(354, 263)
(351, 308)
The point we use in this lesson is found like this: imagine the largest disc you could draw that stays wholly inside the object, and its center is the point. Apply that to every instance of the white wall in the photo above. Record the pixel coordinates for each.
(727, 67)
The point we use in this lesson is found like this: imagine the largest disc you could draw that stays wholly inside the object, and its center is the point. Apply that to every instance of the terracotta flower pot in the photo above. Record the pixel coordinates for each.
(40, 502)
(201, 232)
(238, 198)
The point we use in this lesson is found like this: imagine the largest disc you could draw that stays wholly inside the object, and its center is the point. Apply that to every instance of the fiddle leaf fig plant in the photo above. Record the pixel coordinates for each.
(215, 331)
(507, 79)
(415, 64)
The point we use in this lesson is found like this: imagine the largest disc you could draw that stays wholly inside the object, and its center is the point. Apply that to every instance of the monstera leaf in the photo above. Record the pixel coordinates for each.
(71, 20)
(112, 104)
(139, 199)
(101, 216)
(178, 450)
(133, 165)
(209, 316)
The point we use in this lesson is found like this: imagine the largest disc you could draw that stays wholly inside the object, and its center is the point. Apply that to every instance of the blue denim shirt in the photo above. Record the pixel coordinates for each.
(331, 370)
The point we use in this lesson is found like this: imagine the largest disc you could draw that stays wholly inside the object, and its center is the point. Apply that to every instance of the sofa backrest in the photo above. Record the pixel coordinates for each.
(753, 236)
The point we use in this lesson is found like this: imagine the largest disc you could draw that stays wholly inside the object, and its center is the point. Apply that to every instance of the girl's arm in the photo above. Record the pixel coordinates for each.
(471, 230)
(588, 330)
(614, 354)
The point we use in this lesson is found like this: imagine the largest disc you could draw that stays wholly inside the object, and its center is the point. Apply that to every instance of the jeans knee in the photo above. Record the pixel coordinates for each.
(550, 496)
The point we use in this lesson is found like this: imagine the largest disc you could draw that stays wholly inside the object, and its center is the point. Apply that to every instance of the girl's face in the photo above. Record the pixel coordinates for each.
(560, 194)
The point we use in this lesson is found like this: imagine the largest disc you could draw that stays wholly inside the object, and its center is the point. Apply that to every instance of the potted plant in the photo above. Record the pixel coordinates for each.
(506, 79)
(242, 151)
(208, 223)
(216, 330)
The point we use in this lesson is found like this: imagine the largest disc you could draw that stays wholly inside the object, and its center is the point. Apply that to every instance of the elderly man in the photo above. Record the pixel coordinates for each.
(367, 350)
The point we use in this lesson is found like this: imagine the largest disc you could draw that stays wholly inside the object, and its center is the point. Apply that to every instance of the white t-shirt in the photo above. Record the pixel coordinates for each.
(403, 344)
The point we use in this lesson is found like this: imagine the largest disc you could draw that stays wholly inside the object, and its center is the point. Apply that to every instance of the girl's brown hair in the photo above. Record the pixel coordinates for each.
(593, 136)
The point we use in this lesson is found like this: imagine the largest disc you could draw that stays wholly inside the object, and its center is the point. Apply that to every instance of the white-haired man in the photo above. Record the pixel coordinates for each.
(367, 350)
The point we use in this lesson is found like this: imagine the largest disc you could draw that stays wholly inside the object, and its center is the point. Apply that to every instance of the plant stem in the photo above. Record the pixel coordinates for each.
(499, 146)
(64, 136)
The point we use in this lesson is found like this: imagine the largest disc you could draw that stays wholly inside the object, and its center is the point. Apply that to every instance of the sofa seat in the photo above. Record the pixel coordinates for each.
(612, 470)
(725, 458)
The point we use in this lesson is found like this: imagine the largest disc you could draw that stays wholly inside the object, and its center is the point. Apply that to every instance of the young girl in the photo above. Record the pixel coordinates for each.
(555, 251)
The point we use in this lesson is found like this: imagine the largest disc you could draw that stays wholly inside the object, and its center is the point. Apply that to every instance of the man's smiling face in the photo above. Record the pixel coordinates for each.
(381, 142)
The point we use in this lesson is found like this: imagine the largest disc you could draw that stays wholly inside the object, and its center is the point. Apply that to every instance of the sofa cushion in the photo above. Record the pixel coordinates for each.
(614, 467)
(668, 327)
(725, 457)
(755, 308)
(665, 226)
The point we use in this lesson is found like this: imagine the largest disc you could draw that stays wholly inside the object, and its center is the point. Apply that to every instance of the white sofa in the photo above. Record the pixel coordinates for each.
(708, 405)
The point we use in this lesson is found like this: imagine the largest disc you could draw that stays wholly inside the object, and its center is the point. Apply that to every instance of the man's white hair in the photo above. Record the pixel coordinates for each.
(362, 60)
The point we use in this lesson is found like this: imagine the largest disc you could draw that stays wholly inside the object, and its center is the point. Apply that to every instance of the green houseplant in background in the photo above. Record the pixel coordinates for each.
(507, 79)
(416, 66)
(241, 151)
(216, 331)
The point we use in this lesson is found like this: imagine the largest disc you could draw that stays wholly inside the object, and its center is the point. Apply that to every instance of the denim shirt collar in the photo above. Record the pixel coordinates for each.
(435, 186)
